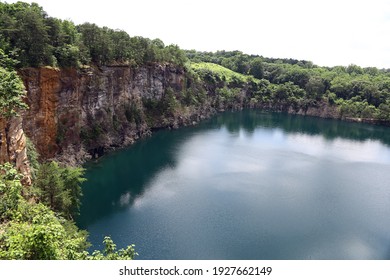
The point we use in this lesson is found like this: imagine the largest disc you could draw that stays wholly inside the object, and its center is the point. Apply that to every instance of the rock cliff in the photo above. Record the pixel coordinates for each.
(75, 114)
(13, 146)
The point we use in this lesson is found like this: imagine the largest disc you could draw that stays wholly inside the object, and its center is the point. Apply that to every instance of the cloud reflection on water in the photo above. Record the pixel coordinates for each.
(264, 193)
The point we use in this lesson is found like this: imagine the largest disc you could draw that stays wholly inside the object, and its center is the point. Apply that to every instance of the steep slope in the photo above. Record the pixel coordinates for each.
(13, 146)
(74, 114)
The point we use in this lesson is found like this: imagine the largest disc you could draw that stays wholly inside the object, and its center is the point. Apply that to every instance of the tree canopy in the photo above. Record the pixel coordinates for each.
(31, 230)
(11, 88)
(35, 39)
(284, 83)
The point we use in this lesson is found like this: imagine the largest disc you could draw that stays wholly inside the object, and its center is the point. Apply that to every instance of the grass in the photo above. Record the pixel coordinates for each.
(224, 73)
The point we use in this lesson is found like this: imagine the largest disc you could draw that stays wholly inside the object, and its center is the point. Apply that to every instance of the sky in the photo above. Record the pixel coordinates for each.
(326, 32)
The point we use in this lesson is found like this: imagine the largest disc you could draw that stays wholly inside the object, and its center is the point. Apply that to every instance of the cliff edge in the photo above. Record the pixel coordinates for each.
(76, 114)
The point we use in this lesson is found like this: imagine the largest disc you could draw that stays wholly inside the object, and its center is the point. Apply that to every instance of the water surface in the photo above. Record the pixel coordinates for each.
(247, 185)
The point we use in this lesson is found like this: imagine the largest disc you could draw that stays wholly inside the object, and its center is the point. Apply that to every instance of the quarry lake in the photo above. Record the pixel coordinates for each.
(246, 185)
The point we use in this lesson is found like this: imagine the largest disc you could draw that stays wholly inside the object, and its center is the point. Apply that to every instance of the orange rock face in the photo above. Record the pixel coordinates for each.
(77, 111)
(40, 122)
(13, 146)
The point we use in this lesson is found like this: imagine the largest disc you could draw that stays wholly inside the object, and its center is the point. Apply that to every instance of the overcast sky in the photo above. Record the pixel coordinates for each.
(327, 32)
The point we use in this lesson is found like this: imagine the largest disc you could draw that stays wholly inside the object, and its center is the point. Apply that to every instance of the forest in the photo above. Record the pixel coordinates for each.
(35, 39)
(358, 93)
(37, 222)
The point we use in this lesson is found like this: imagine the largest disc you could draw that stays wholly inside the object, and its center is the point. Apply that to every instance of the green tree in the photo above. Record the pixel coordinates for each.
(354, 69)
(72, 178)
(98, 41)
(111, 253)
(10, 191)
(60, 188)
(29, 230)
(384, 111)
(11, 89)
(37, 234)
(256, 68)
(315, 87)
(121, 46)
(26, 30)
(175, 55)
(341, 85)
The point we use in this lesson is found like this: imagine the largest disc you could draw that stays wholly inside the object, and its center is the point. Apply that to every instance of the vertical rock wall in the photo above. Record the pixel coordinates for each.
(40, 120)
(76, 113)
(13, 146)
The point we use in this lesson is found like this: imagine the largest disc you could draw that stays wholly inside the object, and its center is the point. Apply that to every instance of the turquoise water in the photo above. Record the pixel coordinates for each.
(246, 185)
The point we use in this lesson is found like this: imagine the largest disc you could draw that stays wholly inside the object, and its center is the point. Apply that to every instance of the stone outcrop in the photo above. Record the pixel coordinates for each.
(40, 120)
(13, 146)
(321, 109)
(75, 114)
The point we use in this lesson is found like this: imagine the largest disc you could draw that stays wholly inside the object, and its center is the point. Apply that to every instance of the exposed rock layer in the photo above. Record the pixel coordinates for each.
(13, 146)
(74, 114)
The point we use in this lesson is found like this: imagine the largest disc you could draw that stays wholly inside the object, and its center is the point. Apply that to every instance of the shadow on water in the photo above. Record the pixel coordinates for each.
(115, 180)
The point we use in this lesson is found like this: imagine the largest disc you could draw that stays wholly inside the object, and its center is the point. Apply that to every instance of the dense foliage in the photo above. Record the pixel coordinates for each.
(356, 92)
(29, 35)
(30, 229)
(60, 188)
(11, 88)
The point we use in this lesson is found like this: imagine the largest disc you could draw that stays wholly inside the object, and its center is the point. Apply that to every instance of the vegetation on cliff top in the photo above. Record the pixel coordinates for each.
(32, 37)
(35, 39)
(355, 92)
(11, 88)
